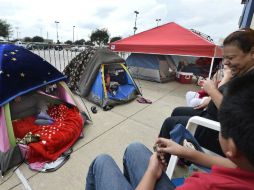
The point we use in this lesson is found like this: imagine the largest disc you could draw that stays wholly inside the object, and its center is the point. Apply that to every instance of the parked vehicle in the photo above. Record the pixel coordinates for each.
(74, 48)
(19, 43)
(38, 46)
(58, 47)
(81, 48)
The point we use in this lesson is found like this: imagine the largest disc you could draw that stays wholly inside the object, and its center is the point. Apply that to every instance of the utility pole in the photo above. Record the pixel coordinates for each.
(57, 31)
(73, 34)
(17, 30)
(135, 26)
(158, 20)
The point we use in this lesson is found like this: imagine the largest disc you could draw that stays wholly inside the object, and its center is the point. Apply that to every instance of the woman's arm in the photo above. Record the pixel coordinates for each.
(227, 76)
(210, 87)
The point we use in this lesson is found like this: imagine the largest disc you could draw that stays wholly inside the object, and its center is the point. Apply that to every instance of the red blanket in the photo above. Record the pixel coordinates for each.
(54, 139)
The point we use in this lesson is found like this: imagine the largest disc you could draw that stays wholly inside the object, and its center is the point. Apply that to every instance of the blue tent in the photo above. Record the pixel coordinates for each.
(22, 71)
(151, 67)
(162, 68)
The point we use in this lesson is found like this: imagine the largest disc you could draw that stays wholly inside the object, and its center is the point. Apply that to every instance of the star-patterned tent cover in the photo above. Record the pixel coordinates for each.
(22, 71)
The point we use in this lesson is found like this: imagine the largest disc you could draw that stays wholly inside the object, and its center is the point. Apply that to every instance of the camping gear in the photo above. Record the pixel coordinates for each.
(101, 76)
(167, 39)
(184, 78)
(25, 79)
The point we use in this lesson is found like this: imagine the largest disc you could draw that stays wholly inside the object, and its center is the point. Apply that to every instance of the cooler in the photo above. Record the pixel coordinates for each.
(183, 77)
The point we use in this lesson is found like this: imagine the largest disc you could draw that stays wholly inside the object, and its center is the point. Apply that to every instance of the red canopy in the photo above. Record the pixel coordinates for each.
(168, 39)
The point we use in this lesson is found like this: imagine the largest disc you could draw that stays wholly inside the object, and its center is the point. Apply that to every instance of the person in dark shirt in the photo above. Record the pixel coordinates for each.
(237, 50)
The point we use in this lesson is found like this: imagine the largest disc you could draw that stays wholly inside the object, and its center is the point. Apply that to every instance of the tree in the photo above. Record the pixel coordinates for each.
(89, 43)
(37, 39)
(100, 36)
(5, 29)
(27, 39)
(14, 40)
(68, 42)
(113, 39)
(80, 42)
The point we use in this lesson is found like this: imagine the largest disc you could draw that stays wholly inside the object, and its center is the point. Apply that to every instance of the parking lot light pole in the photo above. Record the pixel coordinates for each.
(158, 20)
(17, 30)
(135, 26)
(73, 34)
(56, 31)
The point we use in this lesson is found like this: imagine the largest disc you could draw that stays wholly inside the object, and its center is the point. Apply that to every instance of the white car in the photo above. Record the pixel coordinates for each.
(81, 48)
(75, 48)
(19, 43)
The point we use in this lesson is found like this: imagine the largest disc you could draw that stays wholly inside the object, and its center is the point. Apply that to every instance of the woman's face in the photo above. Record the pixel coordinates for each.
(238, 61)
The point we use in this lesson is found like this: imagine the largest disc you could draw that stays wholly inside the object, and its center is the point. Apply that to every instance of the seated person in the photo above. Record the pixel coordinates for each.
(194, 99)
(144, 170)
(107, 80)
(240, 44)
(111, 86)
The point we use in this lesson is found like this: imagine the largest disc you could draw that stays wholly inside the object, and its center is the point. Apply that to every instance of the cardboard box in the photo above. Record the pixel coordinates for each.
(183, 77)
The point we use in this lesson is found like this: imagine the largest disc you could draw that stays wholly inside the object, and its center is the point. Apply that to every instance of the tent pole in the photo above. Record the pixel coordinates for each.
(211, 68)
(127, 71)
(23, 179)
(212, 61)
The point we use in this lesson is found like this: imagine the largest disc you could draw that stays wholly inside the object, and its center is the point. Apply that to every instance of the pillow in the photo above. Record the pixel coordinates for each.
(43, 122)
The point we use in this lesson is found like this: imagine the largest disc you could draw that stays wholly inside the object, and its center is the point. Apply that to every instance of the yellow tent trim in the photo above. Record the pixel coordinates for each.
(103, 82)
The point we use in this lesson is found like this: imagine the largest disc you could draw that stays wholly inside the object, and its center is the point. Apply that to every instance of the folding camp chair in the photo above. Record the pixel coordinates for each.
(192, 126)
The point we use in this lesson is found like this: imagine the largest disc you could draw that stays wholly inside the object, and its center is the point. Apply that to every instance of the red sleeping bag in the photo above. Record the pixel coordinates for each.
(55, 138)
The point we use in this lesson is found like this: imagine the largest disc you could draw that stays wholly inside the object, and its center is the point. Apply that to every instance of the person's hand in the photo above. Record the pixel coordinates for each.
(209, 85)
(227, 73)
(155, 166)
(170, 147)
(200, 82)
(204, 104)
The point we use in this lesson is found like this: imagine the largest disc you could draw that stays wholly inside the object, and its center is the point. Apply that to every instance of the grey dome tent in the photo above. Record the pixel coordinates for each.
(101, 76)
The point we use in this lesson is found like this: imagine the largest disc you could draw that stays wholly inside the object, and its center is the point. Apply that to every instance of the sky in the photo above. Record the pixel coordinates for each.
(29, 18)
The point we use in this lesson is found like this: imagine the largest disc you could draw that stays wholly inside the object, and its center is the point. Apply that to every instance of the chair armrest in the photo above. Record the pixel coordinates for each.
(192, 126)
(197, 120)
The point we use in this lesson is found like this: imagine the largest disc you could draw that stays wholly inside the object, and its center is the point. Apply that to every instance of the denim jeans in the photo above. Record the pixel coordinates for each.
(104, 174)
(180, 115)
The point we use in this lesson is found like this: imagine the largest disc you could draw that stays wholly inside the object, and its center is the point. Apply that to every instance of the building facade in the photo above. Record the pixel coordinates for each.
(246, 20)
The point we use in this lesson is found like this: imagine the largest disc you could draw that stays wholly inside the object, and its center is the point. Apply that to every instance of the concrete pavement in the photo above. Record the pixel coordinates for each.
(110, 132)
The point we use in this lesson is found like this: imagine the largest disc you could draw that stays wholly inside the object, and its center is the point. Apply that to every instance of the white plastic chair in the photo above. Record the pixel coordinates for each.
(192, 126)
